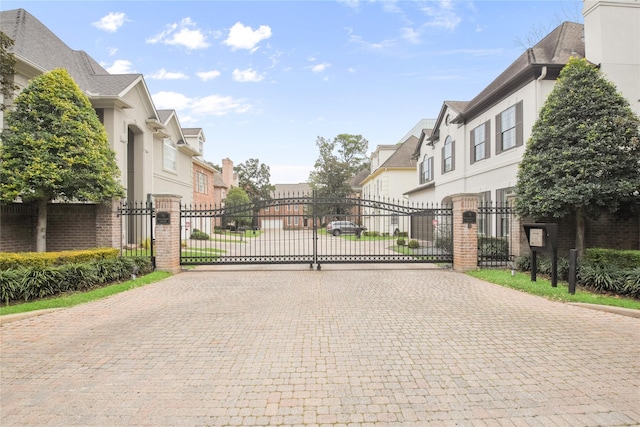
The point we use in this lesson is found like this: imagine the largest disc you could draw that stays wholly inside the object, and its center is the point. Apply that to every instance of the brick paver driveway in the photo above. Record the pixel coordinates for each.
(360, 346)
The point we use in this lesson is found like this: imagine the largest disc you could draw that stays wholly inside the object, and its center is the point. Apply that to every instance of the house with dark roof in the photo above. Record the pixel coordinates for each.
(475, 146)
(392, 169)
(152, 151)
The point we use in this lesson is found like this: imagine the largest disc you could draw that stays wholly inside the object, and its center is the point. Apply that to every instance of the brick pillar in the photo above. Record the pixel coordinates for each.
(108, 225)
(167, 236)
(517, 236)
(465, 236)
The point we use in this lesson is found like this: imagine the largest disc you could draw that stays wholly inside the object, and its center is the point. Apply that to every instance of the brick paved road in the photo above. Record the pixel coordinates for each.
(332, 347)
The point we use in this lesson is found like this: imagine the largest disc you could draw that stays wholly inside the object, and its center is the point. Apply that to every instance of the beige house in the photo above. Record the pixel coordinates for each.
(152, 152)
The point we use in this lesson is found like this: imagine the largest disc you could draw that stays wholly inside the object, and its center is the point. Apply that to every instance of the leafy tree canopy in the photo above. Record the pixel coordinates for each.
(7, 69)
(238, 207)
(339, 160)
(583, 156)
(584, 149)
(54, 146)
(254, 178)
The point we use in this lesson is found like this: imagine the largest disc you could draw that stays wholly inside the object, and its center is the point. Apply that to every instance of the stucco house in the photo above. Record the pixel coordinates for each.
(393, 169)
(152, 151)
(475, 146)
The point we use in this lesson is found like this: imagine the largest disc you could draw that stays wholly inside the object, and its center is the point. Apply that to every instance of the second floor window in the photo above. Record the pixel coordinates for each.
(202, 182)
(169, 156)
(480, 148)
(426, 170)
(448, 155)
(509, 128)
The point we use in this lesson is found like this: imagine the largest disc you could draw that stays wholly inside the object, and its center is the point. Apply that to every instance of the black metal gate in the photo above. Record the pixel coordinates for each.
(496, 240)
(315, 230)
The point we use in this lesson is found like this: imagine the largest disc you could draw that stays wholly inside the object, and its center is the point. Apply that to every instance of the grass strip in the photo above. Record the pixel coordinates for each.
(81, 297)
(542, 287)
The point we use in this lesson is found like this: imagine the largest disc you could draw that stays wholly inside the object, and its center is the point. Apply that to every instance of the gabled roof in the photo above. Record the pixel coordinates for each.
(402, 157)
(356, 182)
(34, 43)
(291, 189)
(455, 106)
(552, 52)
(424, 136)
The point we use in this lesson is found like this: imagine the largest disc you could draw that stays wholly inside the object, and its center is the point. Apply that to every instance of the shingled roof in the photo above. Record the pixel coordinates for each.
(403, 156)
(35, 43)
(553, 52)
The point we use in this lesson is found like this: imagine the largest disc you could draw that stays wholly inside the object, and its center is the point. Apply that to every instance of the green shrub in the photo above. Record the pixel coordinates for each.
(401, 241)
(602, 277)
(372, 233)
(199, 235)
(402, 234)
(9, 260)
(543, 261)
(625, 259)
(493, 247)
(444, 238)
(631, 285)
(414, 244)
(28, 283)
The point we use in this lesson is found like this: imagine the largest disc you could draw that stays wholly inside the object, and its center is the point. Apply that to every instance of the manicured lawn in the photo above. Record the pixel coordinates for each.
(542, 287)
(69, 300)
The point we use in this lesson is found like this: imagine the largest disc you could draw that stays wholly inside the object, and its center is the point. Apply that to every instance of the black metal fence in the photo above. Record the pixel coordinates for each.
(495, 239)
(136, 229)
(314, 229)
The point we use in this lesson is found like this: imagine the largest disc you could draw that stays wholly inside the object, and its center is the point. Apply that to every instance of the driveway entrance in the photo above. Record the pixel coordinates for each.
(371, 346)
(291, 229)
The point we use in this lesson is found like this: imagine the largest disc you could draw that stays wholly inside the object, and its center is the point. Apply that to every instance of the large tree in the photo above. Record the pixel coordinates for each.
(238, 208)
(339, 160)
(583, 157)
(55, 148)
(254, 178)
(7, 70)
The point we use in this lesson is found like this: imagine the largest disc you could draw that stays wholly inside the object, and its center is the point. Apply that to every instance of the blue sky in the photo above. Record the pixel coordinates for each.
(264, 79)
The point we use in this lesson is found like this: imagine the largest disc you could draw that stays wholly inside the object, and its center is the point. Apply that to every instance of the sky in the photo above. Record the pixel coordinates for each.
(265, 79)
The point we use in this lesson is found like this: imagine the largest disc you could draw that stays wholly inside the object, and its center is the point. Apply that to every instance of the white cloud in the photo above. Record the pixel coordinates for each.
(208, 75)
(111, 22)
(113, 51)
(163, 74)
(121, 66)
(171, 100)
(410, 35)
(247, 75)
(319, 68)
(442, 16)
(243, 37)
(182, 34)
(217, 105)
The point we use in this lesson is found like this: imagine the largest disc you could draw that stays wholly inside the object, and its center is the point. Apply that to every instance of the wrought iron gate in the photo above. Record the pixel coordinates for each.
(300, 229)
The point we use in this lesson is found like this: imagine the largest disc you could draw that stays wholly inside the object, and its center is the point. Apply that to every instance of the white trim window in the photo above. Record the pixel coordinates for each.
(202, 182)
(448, 155)
(426, 170)
(479, 141)
(509, 128)
(170, 155)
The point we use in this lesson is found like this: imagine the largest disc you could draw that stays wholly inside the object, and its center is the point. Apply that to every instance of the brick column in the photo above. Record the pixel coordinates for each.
(167, 236)
(108, 225)
(517, 236)
(465, 236)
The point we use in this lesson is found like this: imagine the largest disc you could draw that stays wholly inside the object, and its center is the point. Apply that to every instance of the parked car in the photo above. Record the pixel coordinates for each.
(347, 227)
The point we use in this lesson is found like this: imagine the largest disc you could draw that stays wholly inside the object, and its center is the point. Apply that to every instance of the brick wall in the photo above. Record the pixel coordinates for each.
(17, 223)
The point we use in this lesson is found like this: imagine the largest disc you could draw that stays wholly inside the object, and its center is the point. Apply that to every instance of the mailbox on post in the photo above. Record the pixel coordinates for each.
(543, 237)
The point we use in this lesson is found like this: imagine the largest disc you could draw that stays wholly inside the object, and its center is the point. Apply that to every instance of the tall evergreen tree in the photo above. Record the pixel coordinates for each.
(583, 157)
(55, 148)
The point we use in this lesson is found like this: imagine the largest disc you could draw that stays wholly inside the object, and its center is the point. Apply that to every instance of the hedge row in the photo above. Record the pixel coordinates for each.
(14, 260)
(28, 283)
(602, 270)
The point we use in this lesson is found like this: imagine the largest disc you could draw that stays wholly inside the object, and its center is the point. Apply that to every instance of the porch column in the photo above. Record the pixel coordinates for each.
(465, 235)
(167, 232)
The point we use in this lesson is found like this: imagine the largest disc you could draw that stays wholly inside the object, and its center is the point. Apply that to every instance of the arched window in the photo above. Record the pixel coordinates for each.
(448, 155)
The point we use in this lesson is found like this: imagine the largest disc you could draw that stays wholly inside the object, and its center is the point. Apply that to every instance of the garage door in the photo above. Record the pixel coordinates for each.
(272, 223)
